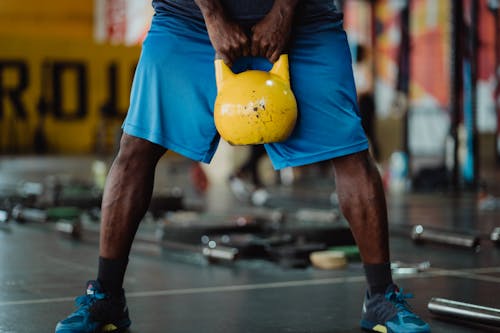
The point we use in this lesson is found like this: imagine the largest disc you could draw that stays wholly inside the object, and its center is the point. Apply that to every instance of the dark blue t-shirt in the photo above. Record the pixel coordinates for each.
(251, 10)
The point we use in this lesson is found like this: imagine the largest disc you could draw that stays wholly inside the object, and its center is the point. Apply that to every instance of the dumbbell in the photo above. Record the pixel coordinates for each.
(23, 214)
(4, 216)
(495, 236)
(465, 311)
(4, 219)
(73, 229)
(214, 252)
(399, 267)
(421, 234)
(68, 227)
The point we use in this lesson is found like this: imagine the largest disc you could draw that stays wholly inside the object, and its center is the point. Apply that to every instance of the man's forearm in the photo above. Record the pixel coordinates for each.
(283, 9)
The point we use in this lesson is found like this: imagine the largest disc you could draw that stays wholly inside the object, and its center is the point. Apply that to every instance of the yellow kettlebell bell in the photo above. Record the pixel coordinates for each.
(254, 107)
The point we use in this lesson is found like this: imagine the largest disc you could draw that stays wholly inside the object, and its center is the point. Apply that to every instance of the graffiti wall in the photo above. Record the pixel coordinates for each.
(62, 89)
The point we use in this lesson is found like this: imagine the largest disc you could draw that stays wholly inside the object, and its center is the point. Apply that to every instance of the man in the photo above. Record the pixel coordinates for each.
(171, 108)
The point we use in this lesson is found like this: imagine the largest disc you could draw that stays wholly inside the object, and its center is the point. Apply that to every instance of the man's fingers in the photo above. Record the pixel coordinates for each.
(261, 48)
(255, 46)
(246, 50)
(244, 46)
(237, 46)
(225, 57)
(274, 56)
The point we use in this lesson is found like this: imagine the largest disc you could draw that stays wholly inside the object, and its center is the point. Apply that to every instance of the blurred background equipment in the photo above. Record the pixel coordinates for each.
(428, 80)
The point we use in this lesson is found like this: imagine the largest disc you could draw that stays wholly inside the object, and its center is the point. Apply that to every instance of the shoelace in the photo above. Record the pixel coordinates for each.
(85, 301)
(398, 298)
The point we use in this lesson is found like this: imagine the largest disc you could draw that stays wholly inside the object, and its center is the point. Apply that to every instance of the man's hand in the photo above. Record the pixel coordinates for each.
(271, 35)
(228, 38)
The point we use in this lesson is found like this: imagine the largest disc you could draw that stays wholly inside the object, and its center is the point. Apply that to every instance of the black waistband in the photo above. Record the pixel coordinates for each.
(251, 10)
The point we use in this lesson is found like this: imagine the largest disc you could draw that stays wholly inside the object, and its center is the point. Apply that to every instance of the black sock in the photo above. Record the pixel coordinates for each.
(111, 273)
(378, 276)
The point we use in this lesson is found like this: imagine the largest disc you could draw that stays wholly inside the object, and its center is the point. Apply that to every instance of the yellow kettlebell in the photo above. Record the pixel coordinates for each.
(254, 107)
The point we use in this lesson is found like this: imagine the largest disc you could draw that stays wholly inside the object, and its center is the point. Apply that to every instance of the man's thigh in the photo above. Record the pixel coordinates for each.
(329, 123)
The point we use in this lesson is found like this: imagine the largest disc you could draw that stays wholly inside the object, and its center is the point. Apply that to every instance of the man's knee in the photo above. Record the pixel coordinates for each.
(134, 148)
(354, 161)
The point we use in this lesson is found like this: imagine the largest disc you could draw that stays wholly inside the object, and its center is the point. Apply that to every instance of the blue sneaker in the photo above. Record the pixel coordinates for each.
(390, 313)
(96, 313)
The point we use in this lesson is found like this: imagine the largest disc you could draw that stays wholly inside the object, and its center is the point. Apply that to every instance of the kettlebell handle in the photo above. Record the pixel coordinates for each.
(280, 69)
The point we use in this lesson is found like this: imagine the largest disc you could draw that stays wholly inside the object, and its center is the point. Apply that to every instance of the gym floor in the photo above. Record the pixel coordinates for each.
(41, 272)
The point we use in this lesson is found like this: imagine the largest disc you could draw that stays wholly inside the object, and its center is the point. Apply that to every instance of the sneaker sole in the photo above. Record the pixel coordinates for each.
(118, 328)
(369, 326)
(374, 327)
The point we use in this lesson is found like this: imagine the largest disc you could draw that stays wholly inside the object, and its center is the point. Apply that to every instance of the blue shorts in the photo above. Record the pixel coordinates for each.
(174, 91)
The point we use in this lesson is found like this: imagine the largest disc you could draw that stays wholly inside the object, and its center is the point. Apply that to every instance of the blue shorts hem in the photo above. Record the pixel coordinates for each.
(310, 159)
(167, 144)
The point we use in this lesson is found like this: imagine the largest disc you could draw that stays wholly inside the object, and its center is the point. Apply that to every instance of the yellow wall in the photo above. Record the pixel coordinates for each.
(41, 36)
(47, 19)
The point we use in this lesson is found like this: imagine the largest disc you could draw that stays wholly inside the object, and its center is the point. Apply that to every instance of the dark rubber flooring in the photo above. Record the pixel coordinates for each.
(41, 273)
